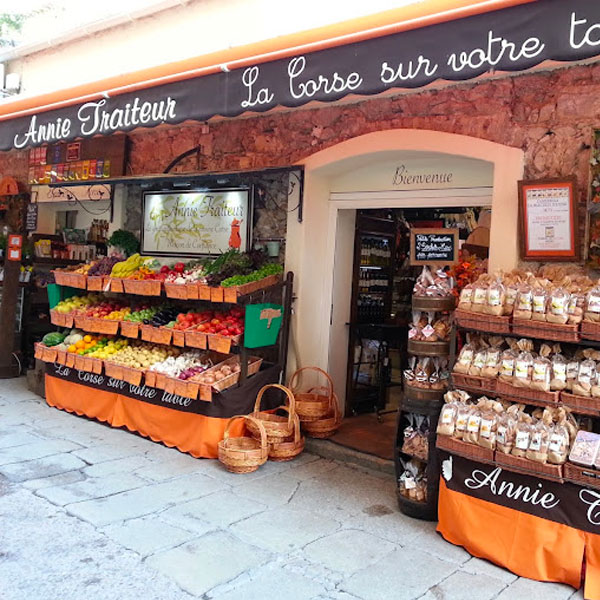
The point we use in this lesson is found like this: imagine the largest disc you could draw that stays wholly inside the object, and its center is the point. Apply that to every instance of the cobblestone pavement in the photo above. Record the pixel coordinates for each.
(89, 512)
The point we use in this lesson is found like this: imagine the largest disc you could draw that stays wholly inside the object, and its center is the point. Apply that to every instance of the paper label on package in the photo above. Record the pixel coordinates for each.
(461, 422)
(508, 367)
(501, 434)
(540, 372)
(410, 483)
(494, 297)
(539, 303)
(522, 441)
(466, 296)
(572, 369)
(412, 333)
(479, 361)
(593, 303)
(524, 302)
(447, 415)
(511, 295)
(585, 374)
(486, 428)
(479, 295)
(473, 424)
(556, 443)
(536, 442)
(522, 369)
(492, 358)
(558, 305)
(560, 371)
(428, 330)
(466, 357)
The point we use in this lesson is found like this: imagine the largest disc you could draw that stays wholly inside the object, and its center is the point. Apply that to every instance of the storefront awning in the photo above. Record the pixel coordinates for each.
(496, 36)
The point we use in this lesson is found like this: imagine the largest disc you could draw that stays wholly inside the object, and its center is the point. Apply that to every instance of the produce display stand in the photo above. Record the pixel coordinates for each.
(537, 520)
(177, 413)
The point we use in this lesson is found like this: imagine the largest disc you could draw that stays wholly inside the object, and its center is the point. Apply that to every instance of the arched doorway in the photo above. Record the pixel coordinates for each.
(324, 234)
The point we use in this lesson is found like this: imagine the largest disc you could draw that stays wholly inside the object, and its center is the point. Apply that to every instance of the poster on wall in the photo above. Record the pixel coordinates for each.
(547, 217)
(195, 223)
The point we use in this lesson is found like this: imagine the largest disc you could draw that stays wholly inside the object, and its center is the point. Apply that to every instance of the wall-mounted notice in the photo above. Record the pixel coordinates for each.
(433, 246)
(547, 212)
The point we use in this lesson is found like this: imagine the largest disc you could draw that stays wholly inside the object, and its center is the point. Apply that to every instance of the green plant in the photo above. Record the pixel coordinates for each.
(125, 240)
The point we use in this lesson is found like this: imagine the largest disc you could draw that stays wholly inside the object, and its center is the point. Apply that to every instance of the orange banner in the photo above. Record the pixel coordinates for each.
(195, 434)
(525, 544)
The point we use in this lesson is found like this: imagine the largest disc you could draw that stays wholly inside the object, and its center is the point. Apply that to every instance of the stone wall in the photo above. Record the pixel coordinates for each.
(551, 115)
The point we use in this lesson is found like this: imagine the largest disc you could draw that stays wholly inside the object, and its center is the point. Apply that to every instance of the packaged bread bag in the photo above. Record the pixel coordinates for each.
(539, 300)
(493, 358)
(490, 413)
(540, 439)
(466, 298)
(479, 297)
(523, 430)
(586, 378)
(495, 298)
(506, 428)
(558, 379)
(523, 308)
(558, 449)
(558, 306)
(592, 305)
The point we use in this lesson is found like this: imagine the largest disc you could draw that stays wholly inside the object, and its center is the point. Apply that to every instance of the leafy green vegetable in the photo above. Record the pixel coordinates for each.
(125, 240)
(265, 271)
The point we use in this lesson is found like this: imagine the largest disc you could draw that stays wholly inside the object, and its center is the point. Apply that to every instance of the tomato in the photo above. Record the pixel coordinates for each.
(180, 317)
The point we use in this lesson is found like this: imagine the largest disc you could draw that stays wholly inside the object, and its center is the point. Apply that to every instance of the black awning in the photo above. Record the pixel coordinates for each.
(509, 40)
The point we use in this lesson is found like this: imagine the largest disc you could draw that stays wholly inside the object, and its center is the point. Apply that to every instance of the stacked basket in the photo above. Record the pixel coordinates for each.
(273, 436)
(316, 405)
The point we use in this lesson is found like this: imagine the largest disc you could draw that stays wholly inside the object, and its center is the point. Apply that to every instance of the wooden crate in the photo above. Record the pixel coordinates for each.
(526, 395)
(553, 332)
(529, 467)
(583, 405)
(482, 322)
(474, 383)
(470, 451)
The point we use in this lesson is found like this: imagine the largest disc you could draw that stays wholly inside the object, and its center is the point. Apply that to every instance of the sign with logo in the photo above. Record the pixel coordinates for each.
(508, 40)
(433, 246)
(193, 223)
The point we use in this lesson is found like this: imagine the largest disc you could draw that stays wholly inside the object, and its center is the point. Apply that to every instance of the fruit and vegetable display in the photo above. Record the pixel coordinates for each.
(53, 339)
(218, 374)
(183, 366)
(104, 266)
(230, 323)
(139, 355)
(264, 271)
(75, 303)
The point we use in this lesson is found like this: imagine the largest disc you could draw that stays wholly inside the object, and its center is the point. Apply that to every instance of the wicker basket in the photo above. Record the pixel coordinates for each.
(553, 332)
(243, 454)
(470, 451)
(105, 326)
(192, 290)
(585, 476)
(423, 394)
(57, 318)
(206, 390)
(583, 405)
(61, 356)
(116, 285)
(326, 426)
(216, 294)
(196, 339)
(482, 322)
(315, 403)
(203, 292)
(130, 329)
(529, 467)
(115, 371)
(142, 287)
(422, 348)
(526, 395)
(590, 331)
(290, 447)
(38, 351)
(176, 290)
(277, 428)
(427, 304)
(95, 283)
(474, 383)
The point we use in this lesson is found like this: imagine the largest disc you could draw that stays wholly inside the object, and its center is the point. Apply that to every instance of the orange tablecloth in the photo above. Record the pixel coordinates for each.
(195, 434)
(545, 540)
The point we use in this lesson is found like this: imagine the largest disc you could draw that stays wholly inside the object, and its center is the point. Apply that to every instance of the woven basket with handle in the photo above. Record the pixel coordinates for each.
(278, 428)
(314, 403)
(290, 447)
(327, 425)
(243, 454)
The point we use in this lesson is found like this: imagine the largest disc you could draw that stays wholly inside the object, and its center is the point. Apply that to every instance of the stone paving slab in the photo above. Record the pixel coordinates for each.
(207, 562)
(112, 515)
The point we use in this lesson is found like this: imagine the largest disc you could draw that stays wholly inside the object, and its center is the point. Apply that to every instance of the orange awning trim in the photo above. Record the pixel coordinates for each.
(415, 16)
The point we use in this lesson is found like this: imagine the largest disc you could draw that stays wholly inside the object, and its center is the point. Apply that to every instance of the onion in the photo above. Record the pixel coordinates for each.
(226, 370)
(235, 368)
(219, 376)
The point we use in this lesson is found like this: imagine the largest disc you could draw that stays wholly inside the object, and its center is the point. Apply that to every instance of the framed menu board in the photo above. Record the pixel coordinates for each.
(433, 246)
(547, 220)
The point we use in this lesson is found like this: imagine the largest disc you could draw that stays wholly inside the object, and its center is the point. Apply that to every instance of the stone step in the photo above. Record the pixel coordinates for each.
(334, 451)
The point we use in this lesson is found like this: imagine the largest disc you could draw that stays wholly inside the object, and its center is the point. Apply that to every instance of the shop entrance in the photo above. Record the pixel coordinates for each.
(380, 310)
